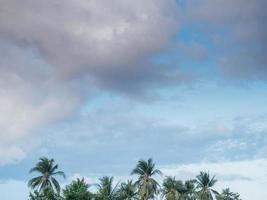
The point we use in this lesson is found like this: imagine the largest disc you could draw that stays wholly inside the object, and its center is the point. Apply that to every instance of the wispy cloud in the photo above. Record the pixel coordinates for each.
(243, 176)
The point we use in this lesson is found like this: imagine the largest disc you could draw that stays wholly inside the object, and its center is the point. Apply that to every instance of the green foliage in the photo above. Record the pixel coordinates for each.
(47, 170)
(173, 189)
(45, 194)
(228, 195)
(189, 190)
(77, 190)
(127, 191)
(148, 187)
(205, 184)
(46, 187)
(106, 191)
(170, 188)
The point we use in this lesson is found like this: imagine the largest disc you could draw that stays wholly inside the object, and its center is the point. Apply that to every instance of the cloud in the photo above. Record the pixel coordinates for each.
(135, 131)
(241, 19)
(111, 43)
(245, 177)
(54, 54)
(11, 154)
(235, 32)
(30, 98)
(193, 51)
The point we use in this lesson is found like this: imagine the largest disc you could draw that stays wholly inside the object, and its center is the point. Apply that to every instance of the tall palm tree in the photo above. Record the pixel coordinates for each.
(205, 184)
(47, 170)
(127, 191)
(106, 191)
(148, 187)
(170, 188)
(228, 195)
(190, 190)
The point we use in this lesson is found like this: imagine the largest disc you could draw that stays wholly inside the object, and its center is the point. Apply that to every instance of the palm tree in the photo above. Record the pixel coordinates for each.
(170, 189)
(106, 191)
(205, 184)
(189, 187)
(35, 195)
(46, 194)
(47, 171)
(228, 195)
(127, 191)
(185, 190)
(148, 187)
(77, 190)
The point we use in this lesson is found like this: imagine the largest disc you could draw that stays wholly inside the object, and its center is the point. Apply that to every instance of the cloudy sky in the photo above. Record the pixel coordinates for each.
(99, 84)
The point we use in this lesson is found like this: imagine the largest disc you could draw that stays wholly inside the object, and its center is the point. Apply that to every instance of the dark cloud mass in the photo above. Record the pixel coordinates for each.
(90, 37)
(238, 32)
(55, 53)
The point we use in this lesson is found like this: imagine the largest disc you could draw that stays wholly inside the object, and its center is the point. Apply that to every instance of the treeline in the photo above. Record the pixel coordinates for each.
(46, 187)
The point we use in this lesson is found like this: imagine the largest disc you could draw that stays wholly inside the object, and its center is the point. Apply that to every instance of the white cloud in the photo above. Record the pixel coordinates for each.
(30, 99)
(247, 177)
(47, 46)
(10, 154)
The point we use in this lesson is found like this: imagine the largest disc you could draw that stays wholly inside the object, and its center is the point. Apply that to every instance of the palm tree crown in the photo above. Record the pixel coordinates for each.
(106, 191)
(189, 189)
(228, 195)
(77, 190)
(170, 188)
(127, 191)
(47, 170)
(147, 185)
(205, 184)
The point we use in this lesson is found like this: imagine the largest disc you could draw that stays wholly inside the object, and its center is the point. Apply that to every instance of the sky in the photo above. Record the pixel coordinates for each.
(98, 85)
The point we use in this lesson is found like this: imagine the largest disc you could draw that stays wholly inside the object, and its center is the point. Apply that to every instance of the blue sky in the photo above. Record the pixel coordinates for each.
(98, 85)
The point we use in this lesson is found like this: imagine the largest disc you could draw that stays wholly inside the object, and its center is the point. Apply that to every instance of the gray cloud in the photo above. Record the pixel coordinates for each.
(55, 53)
(236, 31)
(193, 51)
(29, 99)
(97, 38)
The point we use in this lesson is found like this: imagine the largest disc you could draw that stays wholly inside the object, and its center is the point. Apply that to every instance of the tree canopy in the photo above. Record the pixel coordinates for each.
(146, 186)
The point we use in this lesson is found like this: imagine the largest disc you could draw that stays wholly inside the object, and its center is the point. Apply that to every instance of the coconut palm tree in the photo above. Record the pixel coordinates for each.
(170, 188)
(204, 186)
(77, 190)
(228, 195)
(47, 170)
(35, 195)
(190, 190)
(186, 190)
(106, 191)
(148, 187)
(45, 194)
(127, 191)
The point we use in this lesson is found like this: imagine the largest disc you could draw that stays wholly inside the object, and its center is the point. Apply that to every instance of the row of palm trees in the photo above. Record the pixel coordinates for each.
(146, 187)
